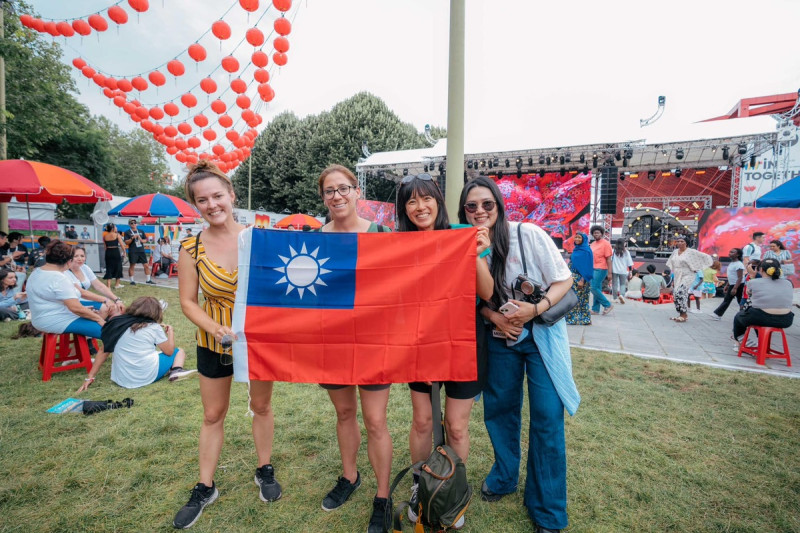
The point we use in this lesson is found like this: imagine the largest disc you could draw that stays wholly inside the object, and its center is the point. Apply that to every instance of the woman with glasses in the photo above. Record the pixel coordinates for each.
(339, 190)
(214, 255)
(420, 207)
(520, 347)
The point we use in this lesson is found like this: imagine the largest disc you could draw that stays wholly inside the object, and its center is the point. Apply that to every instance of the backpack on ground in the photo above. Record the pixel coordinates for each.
(444, 493)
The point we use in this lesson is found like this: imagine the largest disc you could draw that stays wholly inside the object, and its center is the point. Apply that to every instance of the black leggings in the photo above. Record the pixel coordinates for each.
(729, 296)
(757, 317)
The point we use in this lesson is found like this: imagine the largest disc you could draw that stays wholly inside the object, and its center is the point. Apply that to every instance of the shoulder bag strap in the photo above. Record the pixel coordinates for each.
(436, 411)
(521, 248)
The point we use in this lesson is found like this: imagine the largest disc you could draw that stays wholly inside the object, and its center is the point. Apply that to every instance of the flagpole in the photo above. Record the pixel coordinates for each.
(455, 109)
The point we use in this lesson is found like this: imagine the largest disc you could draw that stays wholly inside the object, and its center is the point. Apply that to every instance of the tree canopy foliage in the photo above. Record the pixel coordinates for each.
(291, 152)
(45, 122)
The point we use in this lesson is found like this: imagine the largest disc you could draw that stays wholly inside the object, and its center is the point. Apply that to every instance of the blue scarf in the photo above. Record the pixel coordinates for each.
(582, 259)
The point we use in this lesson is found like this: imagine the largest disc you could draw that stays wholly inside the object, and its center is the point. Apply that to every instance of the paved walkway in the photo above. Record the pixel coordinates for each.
(645, 330)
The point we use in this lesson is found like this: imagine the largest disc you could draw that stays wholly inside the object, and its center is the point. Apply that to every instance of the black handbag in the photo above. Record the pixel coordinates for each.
(561, 307)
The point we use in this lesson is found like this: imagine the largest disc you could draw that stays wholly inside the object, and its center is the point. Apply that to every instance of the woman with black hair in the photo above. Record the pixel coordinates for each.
(770, 301)
(420, 207)
(520, 348)
(621, 265)
(114, 246)
(735, 288)
(685, 262)
(779, 252)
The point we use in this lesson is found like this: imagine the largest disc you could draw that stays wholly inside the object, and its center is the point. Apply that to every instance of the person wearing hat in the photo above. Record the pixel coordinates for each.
(134, 239)
(684, 263)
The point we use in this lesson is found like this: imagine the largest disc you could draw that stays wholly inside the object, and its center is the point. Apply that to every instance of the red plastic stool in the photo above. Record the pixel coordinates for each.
(60, 347)
(764, 348)
(665, 298)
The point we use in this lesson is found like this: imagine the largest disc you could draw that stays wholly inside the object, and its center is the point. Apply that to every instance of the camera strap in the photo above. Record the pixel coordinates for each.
(521, 248)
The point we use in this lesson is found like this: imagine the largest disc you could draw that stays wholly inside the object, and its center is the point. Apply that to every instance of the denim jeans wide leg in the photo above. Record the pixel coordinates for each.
(597, 290)
(546, 484)
(502, 413)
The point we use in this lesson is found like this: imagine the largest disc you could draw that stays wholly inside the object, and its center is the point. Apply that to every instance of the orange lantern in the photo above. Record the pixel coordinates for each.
(81, 27)
(279, 58)
(225, 121)
(255, 37)
(238, 86)
(282, 5)
(185, 128)
(176, 68)
(201, 120)
(117, 14)
(139, 83)
(209, 135)
(281, 44)
(218, 107)
(283, 26)
(197, 52)
(230, 64)
(98, 22)
(157, 113)
(157, 78)
(171, 109)
(221, 30)
(260, 59)
(243, 101)
(208, 85)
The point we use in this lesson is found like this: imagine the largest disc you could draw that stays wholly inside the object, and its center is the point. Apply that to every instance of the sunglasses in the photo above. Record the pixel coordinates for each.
(423, 177)
(487, 205)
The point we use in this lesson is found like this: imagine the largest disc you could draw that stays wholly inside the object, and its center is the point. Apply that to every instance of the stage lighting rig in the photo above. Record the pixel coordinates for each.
(678, 172)
(662, 101)
(679, 154)
(508, 163)
(541, 160)
(582, 159)
(725, 153)
(742, 148)
(548, 160)
(651, 175)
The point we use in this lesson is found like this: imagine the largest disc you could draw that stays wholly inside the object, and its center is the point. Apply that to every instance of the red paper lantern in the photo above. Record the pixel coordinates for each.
(283, 26)
(189, 100)
(218, 149)
(193, 142)
(238, 86)
(111, 83)
(81, 27)
(230, 64)
(176, 68)
(184, 128)
(255, 37)
(281, 44)
(282, 5)
(129, 108)
(225, 121)
(139, 83)
(243, 101)
(171, 150)
(218, 107)
(98, 22)
(117, 14)
(171, 109)
(170, 131)
(142, 112)
(125, 85)
(156, 113)
(108, 93)
(38, 25)
(78, 63)
(279, 58)
(180, 157)
(266, 92)
(99, 79)
(247, 115)
(261, 75)
(88, 71)
(119, 101)
(191, 159)
(50, 27)
(159, 129)
(197, 52)
(232, 135)
(181, 144)
(209, 135)
(65, 29)
(139, 5)
(260, 59)
(249, 5)
(201, 120)
(156, 78)
(208, 85)
(26, 20)
(221, 30)
(146, 124)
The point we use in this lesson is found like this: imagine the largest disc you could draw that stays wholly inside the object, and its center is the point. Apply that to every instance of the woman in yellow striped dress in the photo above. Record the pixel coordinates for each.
(209, 263)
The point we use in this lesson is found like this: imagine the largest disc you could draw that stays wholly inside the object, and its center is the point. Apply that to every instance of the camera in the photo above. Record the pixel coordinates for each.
(531, 291)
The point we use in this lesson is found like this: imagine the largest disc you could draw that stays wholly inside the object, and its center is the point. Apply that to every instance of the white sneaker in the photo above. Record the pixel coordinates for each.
(696, 311)
(715, 316)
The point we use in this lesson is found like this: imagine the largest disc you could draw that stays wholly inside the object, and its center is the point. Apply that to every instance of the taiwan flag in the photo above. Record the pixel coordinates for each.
(355, 308)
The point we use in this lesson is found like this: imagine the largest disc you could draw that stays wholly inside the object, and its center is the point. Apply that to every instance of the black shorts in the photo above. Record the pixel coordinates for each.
(136, 256)
(457, 390)
(208, 364)
(383, 386)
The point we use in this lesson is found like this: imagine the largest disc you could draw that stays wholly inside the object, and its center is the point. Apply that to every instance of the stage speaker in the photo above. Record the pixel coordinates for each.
(608, 190)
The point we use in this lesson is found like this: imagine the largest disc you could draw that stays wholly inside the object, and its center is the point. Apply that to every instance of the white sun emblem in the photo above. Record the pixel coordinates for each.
(302, 270)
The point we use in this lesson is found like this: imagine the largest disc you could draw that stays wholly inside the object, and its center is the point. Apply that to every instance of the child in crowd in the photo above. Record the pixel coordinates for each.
(697, 291)
(710, 280)
(140, 345)
(634, 291)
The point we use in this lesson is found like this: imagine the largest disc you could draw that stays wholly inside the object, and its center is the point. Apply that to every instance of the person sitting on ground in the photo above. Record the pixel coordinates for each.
(140, 344)
(710, 280)
(653, 284)
(770, 301)
(106, 302)
(19, 255)
(635, 286)
(36, 257)
(13, 302)
(735, 288)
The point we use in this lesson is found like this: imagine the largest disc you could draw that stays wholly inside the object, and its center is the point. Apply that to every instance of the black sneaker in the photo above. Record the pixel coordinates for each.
(270, 489)
(381, 518)
(489, 496)
(189, 513)
(413, 503)
(132, 282)
(340, 493)
(150, 282)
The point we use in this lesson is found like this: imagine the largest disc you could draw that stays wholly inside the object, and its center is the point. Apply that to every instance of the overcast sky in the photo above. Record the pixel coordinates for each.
(535, 71)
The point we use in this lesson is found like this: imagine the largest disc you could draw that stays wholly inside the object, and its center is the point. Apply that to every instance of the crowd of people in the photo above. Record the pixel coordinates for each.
(63, 295)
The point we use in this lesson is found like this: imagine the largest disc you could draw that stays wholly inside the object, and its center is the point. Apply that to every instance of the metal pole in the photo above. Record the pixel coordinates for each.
(455, 109)
(3, 153)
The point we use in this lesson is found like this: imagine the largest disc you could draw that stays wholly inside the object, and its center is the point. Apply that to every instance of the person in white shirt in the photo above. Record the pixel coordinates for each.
(753, 250)
(106, 302)
(635, 284)
(735, 288)
(141, 346)
(621, 264)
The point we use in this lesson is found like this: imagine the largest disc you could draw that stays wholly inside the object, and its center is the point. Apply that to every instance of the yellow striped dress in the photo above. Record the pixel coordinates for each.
(218, 287)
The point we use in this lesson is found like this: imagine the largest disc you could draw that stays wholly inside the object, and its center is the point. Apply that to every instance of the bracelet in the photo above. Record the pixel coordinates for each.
(549, 303)
(88, 379)
(536, 309)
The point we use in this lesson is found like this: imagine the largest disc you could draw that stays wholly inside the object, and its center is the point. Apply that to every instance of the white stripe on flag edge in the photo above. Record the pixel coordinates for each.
(241, 371)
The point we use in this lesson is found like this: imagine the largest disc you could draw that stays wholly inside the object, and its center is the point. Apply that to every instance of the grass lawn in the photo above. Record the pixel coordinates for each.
(655, 446)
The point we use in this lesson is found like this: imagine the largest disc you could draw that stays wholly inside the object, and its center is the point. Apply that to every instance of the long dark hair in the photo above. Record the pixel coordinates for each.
(619, 247)
(499, 235)
(420, 188)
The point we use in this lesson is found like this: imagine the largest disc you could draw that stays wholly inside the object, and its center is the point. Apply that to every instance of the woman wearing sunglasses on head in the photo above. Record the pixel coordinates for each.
(339, 190)
(520, 347)
(420, 207)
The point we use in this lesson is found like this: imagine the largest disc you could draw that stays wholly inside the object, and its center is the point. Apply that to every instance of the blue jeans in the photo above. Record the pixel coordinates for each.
(546, 484)
(597, 290)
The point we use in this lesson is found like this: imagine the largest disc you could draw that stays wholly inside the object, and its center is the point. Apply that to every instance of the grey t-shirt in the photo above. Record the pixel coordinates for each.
(768, 293)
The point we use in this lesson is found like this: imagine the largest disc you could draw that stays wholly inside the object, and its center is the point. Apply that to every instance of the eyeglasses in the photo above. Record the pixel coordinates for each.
(423, 177)
(487, 205)
(343, 190)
